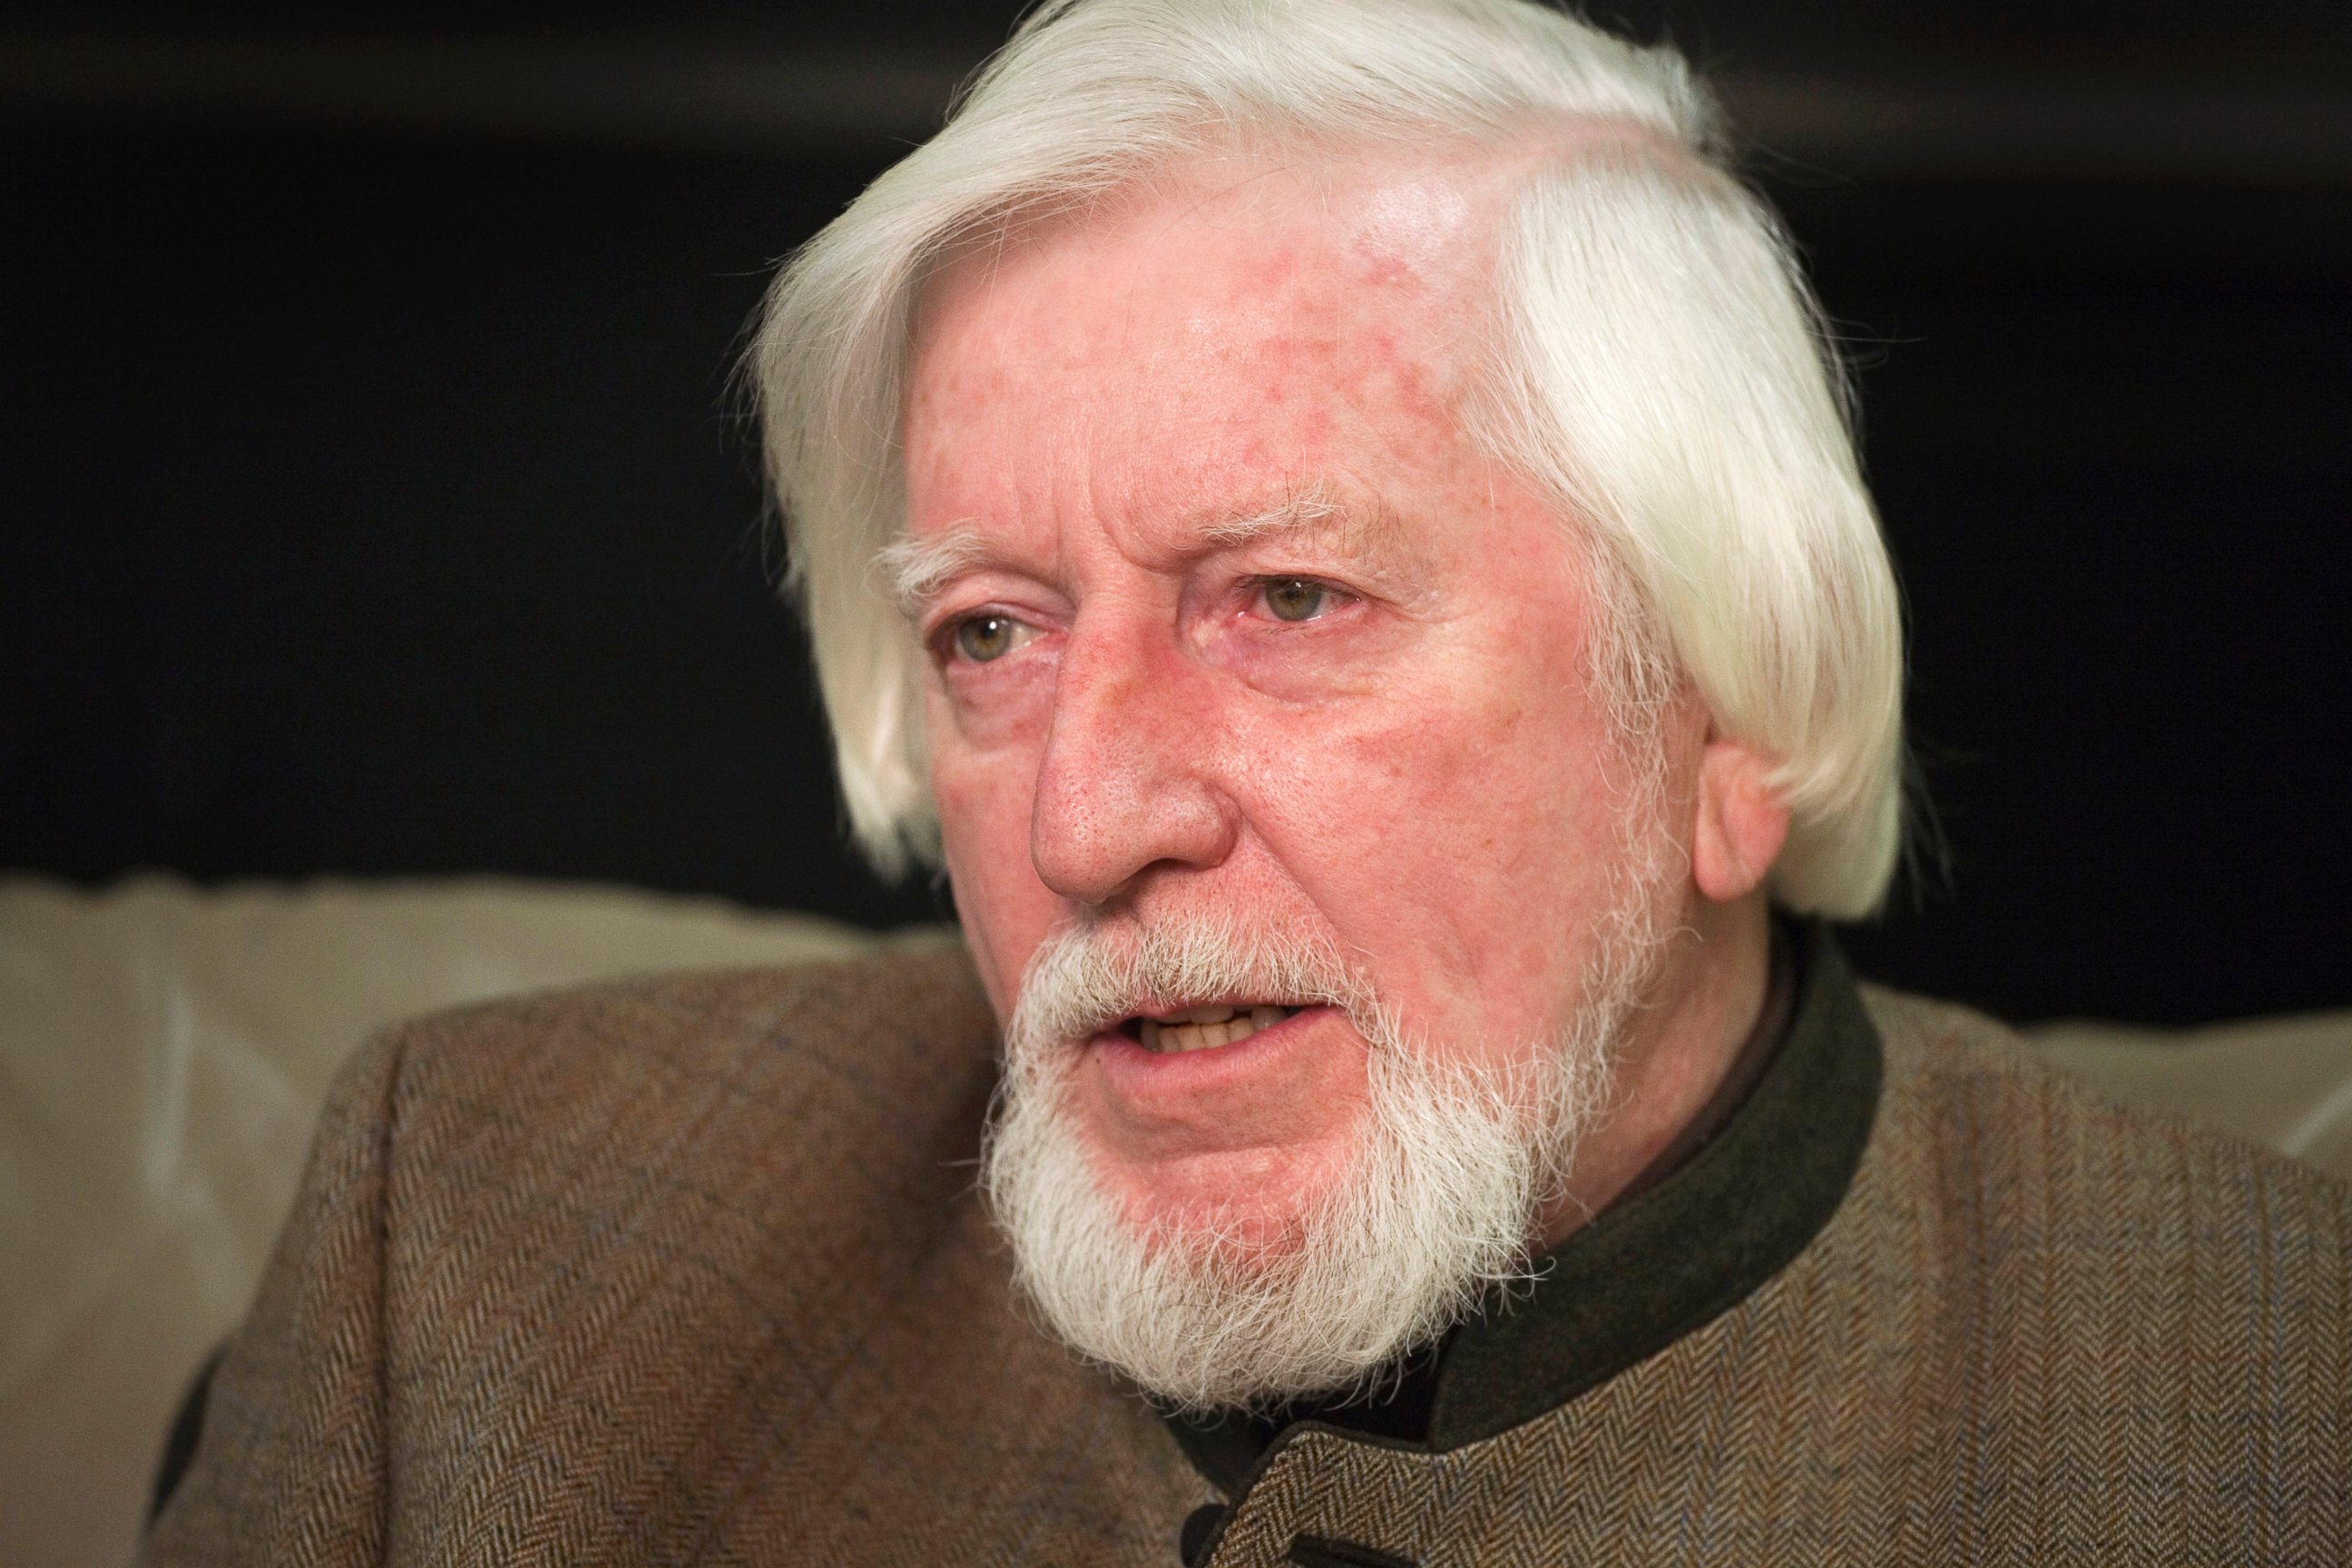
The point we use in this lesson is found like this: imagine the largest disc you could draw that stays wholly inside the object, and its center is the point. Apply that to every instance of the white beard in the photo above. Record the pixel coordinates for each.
(1449, 1170)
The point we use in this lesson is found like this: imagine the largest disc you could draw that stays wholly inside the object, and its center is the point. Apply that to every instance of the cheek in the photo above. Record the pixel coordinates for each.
(1454, 806)
(1456, 825)
(983, 739)
(1464, 743)
(984, 798)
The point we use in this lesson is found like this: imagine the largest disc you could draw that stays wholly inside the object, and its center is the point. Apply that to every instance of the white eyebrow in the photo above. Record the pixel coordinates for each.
(1370, 532)
(1302, 511)
(918, 568)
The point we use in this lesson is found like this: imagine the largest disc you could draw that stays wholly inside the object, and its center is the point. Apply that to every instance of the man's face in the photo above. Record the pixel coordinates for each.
(1243, 627)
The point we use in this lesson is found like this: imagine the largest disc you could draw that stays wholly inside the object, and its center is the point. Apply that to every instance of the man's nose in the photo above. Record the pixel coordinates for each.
(1129, 776)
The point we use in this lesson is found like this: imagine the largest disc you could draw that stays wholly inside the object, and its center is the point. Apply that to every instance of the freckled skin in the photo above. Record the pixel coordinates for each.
(1419, 772)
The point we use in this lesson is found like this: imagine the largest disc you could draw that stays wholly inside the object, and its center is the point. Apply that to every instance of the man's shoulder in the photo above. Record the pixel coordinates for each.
(825, 1007)
(721, 1117)
(684, 1267)
(698, 1208)
(2022, 1182)
(1981, 1081)
(897, 1038)
(2076, 1322)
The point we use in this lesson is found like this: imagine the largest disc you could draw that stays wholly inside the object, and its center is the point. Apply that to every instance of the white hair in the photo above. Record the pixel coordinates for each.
(1446, 1173)
(1661, 373)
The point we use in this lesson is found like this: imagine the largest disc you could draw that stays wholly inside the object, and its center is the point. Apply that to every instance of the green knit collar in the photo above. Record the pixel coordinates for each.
(1659, 1266)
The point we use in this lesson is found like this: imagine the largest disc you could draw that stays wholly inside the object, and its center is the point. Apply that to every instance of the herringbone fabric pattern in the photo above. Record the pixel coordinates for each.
(690, 1270)
(2041, 1331)
(683, 1271)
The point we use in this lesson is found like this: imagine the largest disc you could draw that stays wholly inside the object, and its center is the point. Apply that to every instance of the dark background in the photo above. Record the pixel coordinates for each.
(375, 502)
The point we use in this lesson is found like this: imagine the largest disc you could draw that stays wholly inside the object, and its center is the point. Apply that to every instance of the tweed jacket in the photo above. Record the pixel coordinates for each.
(691, 1271)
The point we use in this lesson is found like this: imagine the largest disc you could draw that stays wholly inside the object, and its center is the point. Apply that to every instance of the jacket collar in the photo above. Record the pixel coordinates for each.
(1689, 1246)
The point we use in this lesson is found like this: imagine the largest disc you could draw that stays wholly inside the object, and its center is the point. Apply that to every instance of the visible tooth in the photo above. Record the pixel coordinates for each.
(1187, 1032)
(1207, 1014)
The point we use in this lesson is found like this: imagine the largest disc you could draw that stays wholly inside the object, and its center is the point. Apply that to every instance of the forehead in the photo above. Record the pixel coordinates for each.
(1252, 326)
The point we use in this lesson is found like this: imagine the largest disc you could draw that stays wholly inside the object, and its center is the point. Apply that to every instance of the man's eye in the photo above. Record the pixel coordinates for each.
(1296, 599)
(981, 639)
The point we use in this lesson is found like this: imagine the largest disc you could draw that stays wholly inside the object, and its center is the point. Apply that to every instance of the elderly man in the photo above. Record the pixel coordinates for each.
(1331, 520)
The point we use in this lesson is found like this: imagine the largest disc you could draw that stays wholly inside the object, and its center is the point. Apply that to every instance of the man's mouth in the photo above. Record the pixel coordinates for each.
(1204, 1027)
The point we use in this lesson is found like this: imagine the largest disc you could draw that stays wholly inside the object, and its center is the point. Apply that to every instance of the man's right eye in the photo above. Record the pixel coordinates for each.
(984, 637)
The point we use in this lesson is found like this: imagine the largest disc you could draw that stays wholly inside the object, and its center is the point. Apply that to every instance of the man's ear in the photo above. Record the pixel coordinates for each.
(1740, 821)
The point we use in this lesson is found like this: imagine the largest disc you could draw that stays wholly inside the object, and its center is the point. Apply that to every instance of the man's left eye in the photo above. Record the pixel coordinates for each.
(984, 639)
(1296, 599)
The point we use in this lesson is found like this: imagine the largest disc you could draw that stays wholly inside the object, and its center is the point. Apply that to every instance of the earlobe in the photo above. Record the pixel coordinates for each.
(1740, 822)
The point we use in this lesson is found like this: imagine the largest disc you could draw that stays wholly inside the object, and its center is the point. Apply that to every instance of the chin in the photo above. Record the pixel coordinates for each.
(1247, 1291)
(1243, 1211)
(1216, 1187)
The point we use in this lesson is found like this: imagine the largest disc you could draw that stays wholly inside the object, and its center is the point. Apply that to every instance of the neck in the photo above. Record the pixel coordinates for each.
(1700, 1010)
